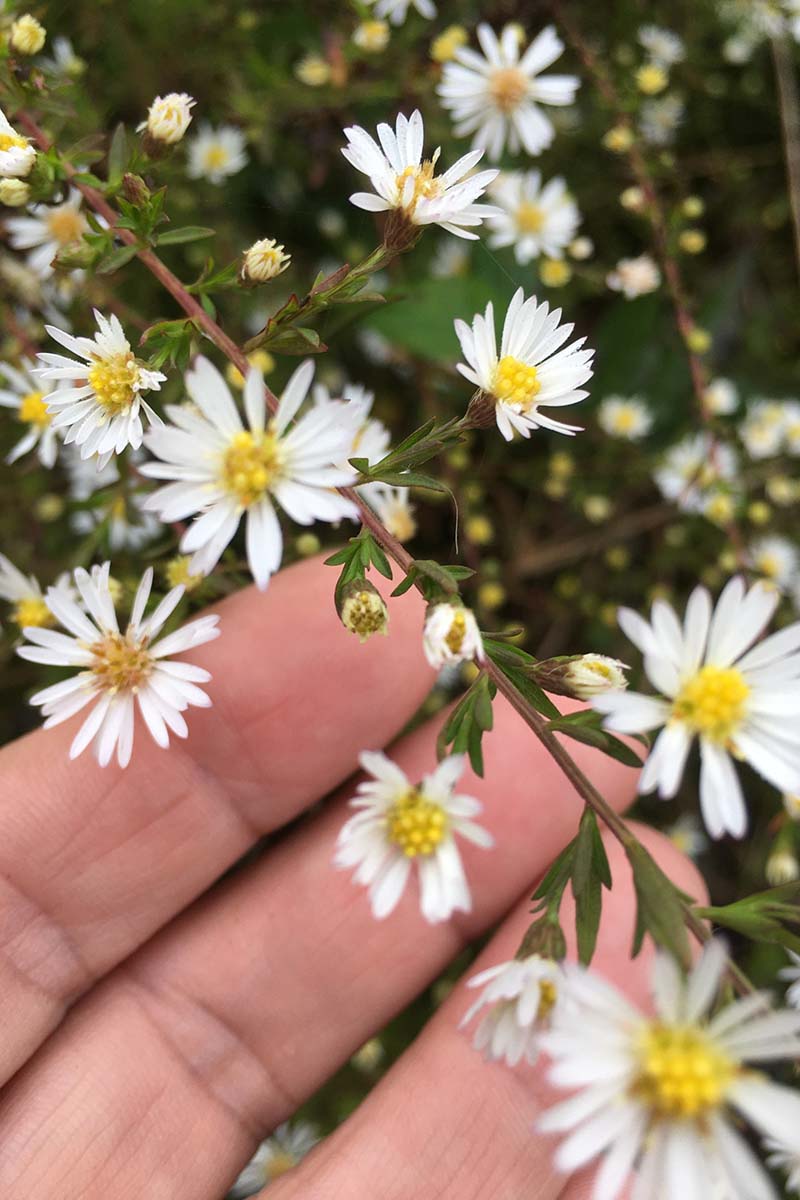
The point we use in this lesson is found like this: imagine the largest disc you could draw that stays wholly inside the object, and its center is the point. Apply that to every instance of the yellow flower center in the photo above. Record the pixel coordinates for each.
(624, 420)
(515, 382)
(113, 381)
(455, 636)
(363, 613)
(508, 87)
(682, 1074)
(120, 663)
(280, 1162)
(66, 225)
(12, 141)
(251, 463)
(215, 157)
(769, 564)
(32, 611)
(425, 183)
(177, 573)
(530, 218)
(548, 994)
(713, 702)
(33, 410)
(416, 825)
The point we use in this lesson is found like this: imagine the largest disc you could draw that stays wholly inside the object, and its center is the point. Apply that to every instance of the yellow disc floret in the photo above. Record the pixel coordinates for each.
(682, 1073)
(113, 381)
(530, 218)
(508, 88)
(33, 410)
(250, 465)
(456, 633)
(548, 995)
(425, 184)
(66, 224)
(121, 662)
(515, 382)
(32, 611)
(415, 825)
(713, 702)
(12, 141)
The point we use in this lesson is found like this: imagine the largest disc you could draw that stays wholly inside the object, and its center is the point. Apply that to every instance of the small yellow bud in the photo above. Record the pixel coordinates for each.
(568, 586)
(619, 139)
(633, 199)
(372, 36)
(313, 71)
(491, 594)
(445, 45)
(698, 340)
(720, 508)
(369, 1057)
(597, 509)
(782, 867)
(781, 489)
(27, 35)
(262, 360)
(49, 507)
(14, 192)
(581, 248)
(561, 464)
(555, 489)
(759, 512)
(692, 241)
(307, 545)
(555, 272)
(479, 529)
(618, 557)
(693, 207)
(264, 260)
(176, 573)
(651, 79)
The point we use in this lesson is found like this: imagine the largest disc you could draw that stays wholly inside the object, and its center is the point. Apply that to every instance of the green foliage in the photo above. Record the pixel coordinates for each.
(471, 718)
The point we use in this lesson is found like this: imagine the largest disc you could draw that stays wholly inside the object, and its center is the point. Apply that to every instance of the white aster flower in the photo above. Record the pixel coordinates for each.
(777, 559)
(168, 118)
(692, 468)
(788, 1161)
(393, 507)
(24, 394)
(534, 219)
(763, 429)
(791, 426)
(214, 154)
(687, 835)
(17, 155)
(408, 185)
(522, 997)
(46, 230)
(118, 669)
(791, 975)
(224, 471)
(496, 96)
(450, 261)
(451, 635)
(287, 1146)
(721, 397)
(663, 46)
(741, 703)
(24, 594)
(399, 824)
(532, 370)
(397, 10)
(128, 525)
(101, 411)
(664, 1092)
(625, 417)
(634, 277)
(659, 119)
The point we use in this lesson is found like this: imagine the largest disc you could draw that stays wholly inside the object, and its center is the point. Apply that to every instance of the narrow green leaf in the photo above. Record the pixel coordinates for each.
(187, 233)
(116, 259)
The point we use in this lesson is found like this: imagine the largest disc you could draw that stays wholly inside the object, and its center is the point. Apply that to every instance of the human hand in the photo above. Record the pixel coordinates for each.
(156, 1025)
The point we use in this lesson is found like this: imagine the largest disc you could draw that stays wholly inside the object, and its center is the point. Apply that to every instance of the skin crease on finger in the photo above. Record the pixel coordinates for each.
(93, 862)
(444, 1124)
(219, 1028)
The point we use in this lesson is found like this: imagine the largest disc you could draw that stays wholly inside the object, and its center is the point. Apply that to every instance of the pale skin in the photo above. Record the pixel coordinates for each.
(157, 1024)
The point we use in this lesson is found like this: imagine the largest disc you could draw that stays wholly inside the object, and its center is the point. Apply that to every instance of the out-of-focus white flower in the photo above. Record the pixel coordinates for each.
(214, 154)
(264, 260)
(370, 437)
(372, 36)
(663, 46)
(762, 430)
(721, 397)
(450, 260)
(397, 10)
(129, 526)
(279, 1153)
(64, 61)
(27, 35)
(581, 248)
(168, 118)
(25, 395)
(394, 508)
(687, 835)
(521, 997)
(777, 559)
(691, 470)
(782, 867)
(118, 670)
(25, 594)
(660, 1092)
(532, 371)
(17, 155)
(739, 696)
(101, 410)
(634, 277)
(496, 96)
(223, 471)
(401, 824)
(791, 802)
(791, 975)
(625, 417)
(534, 219)
(451, 635)
(659, 119)
(787, 1160)
(404, 183)
(46, 230)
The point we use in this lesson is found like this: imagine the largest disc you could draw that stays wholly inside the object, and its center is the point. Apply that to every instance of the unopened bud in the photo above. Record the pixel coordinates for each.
(782, 867)
(14, 192)
(581, 676)
(362, 609)
(27, 35)
(168, 118)
(481, 411)
(74, 257)
(135, 190)
(264, 260)
(451, 635)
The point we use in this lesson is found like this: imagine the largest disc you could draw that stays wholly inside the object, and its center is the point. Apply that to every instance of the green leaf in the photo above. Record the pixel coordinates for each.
(117, 156)
(584, 727)
(661, 909)
(590, 874)
(116, 259)
(467, 723)
(187, 233)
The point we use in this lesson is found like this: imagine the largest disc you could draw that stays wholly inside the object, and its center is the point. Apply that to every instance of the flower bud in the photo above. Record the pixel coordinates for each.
(135, 190)
(782, 867)
(443, 47)
(372, 36)
(168, 118)
(481, 411)
(451, 635)
(27, 35)
(14, 192)
(264, 260)
(362, 609)
(581, 676)
(581, 248)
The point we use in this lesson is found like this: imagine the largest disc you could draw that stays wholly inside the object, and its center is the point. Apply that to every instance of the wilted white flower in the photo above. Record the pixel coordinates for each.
(25, 395)
(663, 46)
(118, 670)
(791, 975)
(451, 635)
(534, 219)
(692, 468)
(721, 397)
(634, 277)
(497, 96)
(593, 674)
(287, 1147)
(404, 183)
(397, 10)
(46, 230)
(400, 824)
(625, 417)
(17, 155)
(521, 997)
(168, 118)
(532, 371)
(777, 559)
(741, 703)
(101, 412)
(214, 154)
(660, 1092)
(223, 471)
(264, 260)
